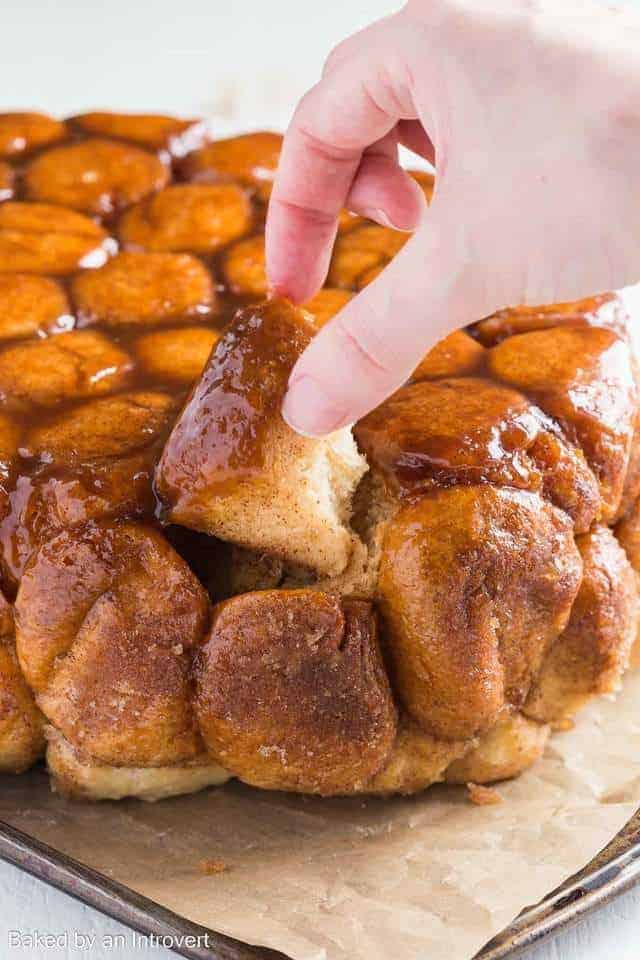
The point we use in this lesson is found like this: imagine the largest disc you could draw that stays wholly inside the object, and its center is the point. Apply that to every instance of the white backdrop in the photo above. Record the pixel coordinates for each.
(233, 59)
(243, 63)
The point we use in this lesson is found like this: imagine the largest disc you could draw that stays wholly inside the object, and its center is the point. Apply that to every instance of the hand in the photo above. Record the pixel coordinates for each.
(530, 110)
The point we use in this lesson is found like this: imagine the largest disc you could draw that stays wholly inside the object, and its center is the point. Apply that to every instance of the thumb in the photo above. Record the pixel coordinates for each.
(370, 348)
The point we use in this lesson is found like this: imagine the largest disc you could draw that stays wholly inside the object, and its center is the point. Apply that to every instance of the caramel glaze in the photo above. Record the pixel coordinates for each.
(516, 434)
(46, 255)
(470, 430)
(219, 436)
(547, 446)
(511, 438)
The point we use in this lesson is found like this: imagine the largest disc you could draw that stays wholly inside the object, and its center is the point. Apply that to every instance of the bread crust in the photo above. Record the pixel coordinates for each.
(108, 654)
(233, 468)
(474, 584)
(291, 692)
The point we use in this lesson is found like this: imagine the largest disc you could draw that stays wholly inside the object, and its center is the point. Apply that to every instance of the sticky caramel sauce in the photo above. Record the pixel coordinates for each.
(219, 438)
(91, 453)
(88, 449)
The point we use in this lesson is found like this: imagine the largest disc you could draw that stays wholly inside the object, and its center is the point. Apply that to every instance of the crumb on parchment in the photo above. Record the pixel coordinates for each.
(210, 867)
(483, 796)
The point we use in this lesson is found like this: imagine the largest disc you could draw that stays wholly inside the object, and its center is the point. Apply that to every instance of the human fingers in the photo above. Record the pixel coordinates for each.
(354, 106)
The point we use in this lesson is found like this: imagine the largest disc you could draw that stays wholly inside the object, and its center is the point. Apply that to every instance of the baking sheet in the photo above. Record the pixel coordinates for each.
(431, 875)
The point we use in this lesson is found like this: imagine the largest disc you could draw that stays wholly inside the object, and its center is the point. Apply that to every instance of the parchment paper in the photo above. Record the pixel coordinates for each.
(431, 876)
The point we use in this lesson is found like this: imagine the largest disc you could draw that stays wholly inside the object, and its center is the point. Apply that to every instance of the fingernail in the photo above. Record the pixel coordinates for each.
(373, 213)
(309, 410)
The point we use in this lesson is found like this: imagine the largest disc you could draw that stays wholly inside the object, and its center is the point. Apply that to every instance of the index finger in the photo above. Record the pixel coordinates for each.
(352, 107)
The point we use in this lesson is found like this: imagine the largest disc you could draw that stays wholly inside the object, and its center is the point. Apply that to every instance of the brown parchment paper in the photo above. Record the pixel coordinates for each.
(429, 876)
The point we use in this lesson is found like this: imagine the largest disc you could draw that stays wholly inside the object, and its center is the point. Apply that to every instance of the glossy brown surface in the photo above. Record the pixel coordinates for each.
(584, 378)
(40, 238)
(244, 267)
(94, 460)
(197, 217)
(177, 354)
(72, 366)
(464, 430)
(292, 693)
(455, 356)
(144, 288)
(31, 305)
(220, 437)
(23, 132)
(605, 310)
(474, 583)
(361, 253)
(96, 176)
(250, 159)
(106, 651)
(127, 243)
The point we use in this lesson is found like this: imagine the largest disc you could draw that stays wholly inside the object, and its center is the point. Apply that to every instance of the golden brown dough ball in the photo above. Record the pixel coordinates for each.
(21, 132)
(94, 462)
(31, 305)
(144, 289)
(68, 494)
(467, 430)
(251, 159)
(179, 354)
(244, 267)
(605, 310)
(21, 723)
(109, 427)
(507, 750)
(455, 356)
(584, 378)
(6, 181)
(245, 271)
(97, 176)
(361, 253)
(475, 583)
(70, 366)
(187, 216)
(291, 692)
(591, 655)
(38, 238)
(326, 303)
(154, 131)
(107, 617)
